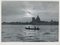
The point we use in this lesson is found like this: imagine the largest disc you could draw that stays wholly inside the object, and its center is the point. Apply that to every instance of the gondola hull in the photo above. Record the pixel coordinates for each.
(33, 28)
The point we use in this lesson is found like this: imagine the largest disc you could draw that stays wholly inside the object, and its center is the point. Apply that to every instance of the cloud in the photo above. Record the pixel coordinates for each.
(16, 10)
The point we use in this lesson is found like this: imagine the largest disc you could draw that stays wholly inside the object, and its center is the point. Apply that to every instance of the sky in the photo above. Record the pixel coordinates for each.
(23, 11)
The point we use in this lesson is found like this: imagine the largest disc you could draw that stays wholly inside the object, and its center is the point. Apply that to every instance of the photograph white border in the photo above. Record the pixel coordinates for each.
(28, 43)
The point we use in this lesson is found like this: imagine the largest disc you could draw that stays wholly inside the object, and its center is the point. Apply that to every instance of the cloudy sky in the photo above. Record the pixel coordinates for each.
(25, 10)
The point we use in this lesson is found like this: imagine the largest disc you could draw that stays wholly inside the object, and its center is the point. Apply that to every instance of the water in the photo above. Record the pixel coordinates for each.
(18, 33)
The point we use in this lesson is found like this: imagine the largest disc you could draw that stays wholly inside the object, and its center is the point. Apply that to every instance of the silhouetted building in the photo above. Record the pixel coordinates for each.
(37, 19)
(33, 20)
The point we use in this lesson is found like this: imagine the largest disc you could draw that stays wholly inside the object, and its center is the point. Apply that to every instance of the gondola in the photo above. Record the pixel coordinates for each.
(35, 28)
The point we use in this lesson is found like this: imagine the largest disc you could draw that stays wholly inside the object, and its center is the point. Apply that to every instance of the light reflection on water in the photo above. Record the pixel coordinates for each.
(19, 33)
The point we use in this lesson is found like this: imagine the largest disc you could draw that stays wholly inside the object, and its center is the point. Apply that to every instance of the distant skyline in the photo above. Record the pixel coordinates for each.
(23, 11)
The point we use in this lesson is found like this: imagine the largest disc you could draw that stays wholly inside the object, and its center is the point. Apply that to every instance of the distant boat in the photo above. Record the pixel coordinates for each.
(35, 28)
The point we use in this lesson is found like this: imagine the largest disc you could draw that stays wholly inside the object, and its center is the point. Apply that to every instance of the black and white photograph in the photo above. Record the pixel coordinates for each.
(30, 21)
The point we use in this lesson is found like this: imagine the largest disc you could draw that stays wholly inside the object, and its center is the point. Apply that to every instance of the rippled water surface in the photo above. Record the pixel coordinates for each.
(18, 33)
